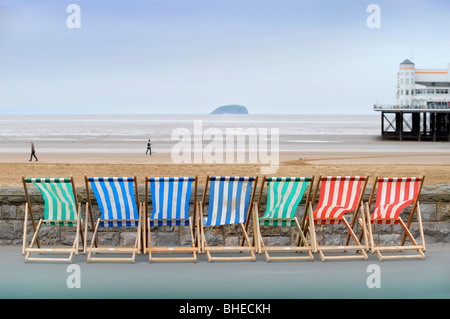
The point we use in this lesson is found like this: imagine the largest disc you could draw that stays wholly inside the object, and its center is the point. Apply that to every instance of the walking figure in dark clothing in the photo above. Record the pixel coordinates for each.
(149, 148)
(33, 153)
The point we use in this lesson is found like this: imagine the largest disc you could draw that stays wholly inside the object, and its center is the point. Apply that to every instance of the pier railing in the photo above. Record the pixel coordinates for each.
(380, 107)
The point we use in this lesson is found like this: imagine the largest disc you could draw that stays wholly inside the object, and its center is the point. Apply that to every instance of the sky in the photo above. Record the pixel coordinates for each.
(192, 56)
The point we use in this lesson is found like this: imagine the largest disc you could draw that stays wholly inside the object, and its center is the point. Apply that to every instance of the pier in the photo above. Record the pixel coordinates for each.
(421, 124)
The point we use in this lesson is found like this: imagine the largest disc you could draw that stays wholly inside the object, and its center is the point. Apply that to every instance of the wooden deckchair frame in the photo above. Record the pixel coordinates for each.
(420, 248)
(136, 249)
(27, 251)
(229, 249)
(193, 226)
(359, 247)
(301, 243)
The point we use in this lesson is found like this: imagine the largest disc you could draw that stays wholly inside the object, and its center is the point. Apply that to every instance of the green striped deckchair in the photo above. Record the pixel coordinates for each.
(284, 195)
(61, 209)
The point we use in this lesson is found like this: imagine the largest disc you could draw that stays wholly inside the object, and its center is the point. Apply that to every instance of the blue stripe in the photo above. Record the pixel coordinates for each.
(220, 203)
(169, 198)
(247, 198)
(152, 192)
(116, 200)
(188, 197)
(181, 211)
(108, 207)
(229, 202)
(230, 183)
(161, 201)
(211, 202)
(178, 202)
(122, 212)
(127, 207)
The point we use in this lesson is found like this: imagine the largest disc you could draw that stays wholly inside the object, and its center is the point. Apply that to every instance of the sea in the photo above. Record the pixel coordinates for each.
(130, 133)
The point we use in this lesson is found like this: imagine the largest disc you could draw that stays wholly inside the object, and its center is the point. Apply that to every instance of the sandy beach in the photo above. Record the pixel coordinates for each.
(435, 166)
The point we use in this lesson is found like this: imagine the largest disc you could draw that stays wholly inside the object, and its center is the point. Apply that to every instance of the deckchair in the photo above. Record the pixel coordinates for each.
(230, 203)
(339, 196)
(394, 195)
(284, 195)
(170, 197)
(118, 200)
(61, 209)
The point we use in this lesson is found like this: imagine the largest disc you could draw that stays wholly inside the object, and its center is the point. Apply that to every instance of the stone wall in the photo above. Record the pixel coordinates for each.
(434, 204)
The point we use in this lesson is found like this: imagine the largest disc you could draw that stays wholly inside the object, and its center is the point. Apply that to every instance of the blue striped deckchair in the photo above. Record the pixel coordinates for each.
(170, 197)
(230, 202)
(284, 195)
(117, 199)
(61, 209)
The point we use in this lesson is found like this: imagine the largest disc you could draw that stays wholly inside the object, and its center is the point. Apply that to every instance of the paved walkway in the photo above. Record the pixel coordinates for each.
(402, 279)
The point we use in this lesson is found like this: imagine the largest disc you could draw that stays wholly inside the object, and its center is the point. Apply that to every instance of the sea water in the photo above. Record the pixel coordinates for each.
(130, 133)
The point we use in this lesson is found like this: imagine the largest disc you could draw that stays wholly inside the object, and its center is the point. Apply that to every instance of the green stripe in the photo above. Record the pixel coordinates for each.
(65, 201)
(285, 213)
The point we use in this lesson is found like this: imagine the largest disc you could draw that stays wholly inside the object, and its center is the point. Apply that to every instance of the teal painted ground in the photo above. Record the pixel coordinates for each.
(223, 280)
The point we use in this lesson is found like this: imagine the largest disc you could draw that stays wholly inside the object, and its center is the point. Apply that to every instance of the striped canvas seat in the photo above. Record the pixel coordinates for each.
(170, 200)
(60, 204)
(116, 200)
(338, 196)
(230, 203)
(394, 195)
(283, 197)
(229, 200)
(61, 209)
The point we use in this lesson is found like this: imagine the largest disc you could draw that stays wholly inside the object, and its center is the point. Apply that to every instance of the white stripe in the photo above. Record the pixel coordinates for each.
(295, 197)
(216, 203)
(224, 202)
(243, 199)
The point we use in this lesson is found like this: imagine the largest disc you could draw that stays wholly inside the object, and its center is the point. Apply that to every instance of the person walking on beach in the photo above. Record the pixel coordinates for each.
(149, 147)
(33, 152)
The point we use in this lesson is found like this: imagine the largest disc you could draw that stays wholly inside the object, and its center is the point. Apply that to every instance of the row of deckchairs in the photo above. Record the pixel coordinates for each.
(230, 201)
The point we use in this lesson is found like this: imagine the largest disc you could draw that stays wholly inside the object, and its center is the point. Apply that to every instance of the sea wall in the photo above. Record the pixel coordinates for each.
(434, 205)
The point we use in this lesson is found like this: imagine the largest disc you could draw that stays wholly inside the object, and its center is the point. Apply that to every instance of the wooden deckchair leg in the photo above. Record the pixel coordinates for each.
(33, 241)
(362, 222)
(410, 236)
(77, 235)
(419, 220)
(149, 241)
(353, 235)
(94, 236)
(369, 228)
(248, 241)
(192, 239)
(24, 243)
(197, 221)
(85, 230)
(312, 229)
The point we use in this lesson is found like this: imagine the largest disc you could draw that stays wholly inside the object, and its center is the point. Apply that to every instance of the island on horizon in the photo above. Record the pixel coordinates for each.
(230, 109)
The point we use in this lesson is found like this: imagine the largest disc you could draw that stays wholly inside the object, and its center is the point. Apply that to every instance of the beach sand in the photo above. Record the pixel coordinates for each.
(435, 166)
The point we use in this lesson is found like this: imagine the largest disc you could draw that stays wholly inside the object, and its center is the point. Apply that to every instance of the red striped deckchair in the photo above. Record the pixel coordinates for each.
(394, 195)
(339, 195)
